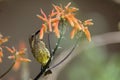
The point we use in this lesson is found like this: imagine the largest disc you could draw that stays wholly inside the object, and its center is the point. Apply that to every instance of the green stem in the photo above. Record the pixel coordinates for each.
(49, 44)
(67, 54)
(59, 40)
(1, 76)
(57, 45)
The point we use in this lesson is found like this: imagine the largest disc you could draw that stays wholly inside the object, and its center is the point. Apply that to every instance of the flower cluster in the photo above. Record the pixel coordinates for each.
(66, 14)
(18, 56)
(2, 40)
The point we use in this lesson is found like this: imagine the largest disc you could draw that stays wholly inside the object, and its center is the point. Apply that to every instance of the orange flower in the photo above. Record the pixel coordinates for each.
(66, 7)
(3, 39)
(88, 22)
(70, 9)
(85, 30)
(58, 9)
(47, 20)
(68, 14)
(64, 14)
(56, 30)
(18, 56)
(42, 30)
(1, 54)
(69, 19)
(87, 33)
(73, 32)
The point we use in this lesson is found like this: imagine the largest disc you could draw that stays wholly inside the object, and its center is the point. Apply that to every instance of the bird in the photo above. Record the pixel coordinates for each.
(39, 50)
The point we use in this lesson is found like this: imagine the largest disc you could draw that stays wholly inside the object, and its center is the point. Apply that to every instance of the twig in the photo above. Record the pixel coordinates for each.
(1, 76)
(43, 70)
(49, 44)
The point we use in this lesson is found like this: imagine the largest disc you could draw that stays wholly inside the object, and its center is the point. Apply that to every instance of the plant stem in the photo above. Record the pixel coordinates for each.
(49, 44)
(1, 76)
(67, 54)
(43, 70)
(59, 40)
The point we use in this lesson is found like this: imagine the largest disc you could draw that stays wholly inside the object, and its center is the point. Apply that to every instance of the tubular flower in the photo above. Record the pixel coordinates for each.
(68, 14)
(64, 14)
(42, 30)
(3, 39)
(85, 30)
(88, 22)
(18, 56)
(1, 54)
(48, 22)
(73, 32)
(45, 19)
(87, 33)
(56, 30)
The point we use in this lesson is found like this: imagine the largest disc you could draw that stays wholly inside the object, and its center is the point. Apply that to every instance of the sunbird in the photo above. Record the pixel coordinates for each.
(39, 50)
(40, 53)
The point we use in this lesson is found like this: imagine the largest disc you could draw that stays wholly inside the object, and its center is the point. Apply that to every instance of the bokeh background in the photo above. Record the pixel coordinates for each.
(18, 20)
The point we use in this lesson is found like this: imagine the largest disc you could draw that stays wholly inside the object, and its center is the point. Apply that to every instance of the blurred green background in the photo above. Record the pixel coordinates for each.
(18, 20)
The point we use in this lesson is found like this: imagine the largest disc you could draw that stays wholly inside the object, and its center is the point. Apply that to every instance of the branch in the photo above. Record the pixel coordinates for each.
(8, 70)
(107, 38)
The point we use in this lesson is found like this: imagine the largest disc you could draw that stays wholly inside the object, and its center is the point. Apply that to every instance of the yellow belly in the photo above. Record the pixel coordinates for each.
(42, 56)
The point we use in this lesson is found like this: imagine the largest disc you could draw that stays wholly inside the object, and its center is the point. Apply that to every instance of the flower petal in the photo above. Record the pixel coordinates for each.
(42, 12)
(70, 21)
(25, 60)
(42, 18)
(0, 60)
(56, 30)
(88, 22)
(54, 20)
(3, 40)
(72, 9)
(13, 50)
(72, 34)
(11, 57)
(1, 52)
(41, 33)
(66, 7)
(49, 25)
(87, 33)
(57, 8)
(53, 13)
(16, 65)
